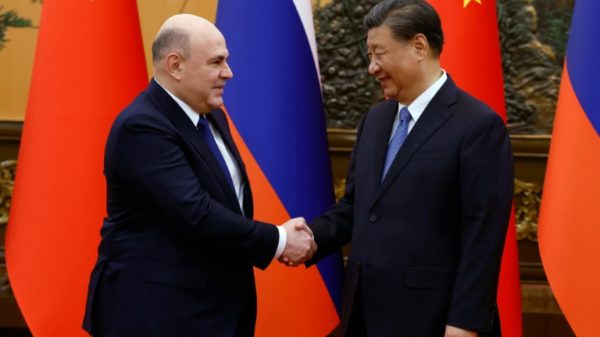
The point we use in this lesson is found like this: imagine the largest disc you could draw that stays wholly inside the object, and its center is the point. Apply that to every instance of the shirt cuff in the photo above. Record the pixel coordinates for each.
(282, 242)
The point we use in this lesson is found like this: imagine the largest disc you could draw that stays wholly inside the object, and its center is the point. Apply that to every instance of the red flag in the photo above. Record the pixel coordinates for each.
(89, 64)
(472, 57)
(569, 224)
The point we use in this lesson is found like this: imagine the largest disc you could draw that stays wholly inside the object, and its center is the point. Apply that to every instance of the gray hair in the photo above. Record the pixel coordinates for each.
(168, 40)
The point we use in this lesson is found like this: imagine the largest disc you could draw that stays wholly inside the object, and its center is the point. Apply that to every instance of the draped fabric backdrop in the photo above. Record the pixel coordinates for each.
(89, 64)
(569, 223)
(472, 57)
(275, 106)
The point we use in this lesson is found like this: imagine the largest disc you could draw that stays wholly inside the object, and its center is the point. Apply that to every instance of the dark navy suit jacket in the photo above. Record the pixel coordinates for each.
(426, 243)
(176, 254)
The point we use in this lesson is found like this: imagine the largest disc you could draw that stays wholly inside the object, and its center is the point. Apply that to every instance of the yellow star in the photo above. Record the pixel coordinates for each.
(466, 2)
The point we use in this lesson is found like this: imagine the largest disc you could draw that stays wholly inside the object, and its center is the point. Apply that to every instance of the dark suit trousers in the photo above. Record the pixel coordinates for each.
(356, 324)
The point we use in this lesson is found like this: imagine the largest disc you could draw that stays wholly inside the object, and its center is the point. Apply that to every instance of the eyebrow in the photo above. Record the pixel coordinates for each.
(217, 58)
(375, 47)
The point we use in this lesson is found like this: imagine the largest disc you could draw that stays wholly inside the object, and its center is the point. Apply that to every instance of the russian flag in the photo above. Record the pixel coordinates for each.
(569, 223)
(276, 113)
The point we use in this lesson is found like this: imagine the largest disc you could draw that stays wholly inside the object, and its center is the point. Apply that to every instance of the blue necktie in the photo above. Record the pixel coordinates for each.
(397, 140)
(204, 129)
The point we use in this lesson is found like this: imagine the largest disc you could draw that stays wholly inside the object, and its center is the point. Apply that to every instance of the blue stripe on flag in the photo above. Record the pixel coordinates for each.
(583, 67)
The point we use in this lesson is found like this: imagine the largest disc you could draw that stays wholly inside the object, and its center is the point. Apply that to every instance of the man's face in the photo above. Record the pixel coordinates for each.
(393, 63)
(205, 71)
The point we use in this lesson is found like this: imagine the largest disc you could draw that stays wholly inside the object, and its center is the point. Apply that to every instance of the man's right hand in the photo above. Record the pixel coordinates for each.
(300, 245)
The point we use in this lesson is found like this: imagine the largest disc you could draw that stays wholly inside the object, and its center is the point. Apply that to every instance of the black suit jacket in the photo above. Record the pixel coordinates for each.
(426, 243)
(176, 254)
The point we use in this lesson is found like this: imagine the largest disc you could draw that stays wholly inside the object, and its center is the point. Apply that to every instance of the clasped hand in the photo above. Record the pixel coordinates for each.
(300, 245)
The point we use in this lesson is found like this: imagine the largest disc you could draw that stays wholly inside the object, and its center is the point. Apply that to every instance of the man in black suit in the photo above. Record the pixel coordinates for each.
(179, 243)
(428, 192)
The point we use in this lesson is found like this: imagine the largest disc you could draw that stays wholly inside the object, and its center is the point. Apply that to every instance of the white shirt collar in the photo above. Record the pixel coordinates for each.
(417, 107)
(193, 115)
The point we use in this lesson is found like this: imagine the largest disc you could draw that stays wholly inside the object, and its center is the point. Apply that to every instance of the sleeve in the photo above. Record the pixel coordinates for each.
(282, 242)
(333, 229)
(151, 158)
(486, 185)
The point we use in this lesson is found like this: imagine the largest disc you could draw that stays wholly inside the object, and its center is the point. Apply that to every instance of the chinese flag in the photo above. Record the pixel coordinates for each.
(569, 224)
(472, 57)
(89, 64)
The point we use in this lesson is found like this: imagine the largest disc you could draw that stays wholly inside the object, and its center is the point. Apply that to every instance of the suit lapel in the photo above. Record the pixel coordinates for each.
(434, 116)
(384, 123)
(220, 122)
(189, 131)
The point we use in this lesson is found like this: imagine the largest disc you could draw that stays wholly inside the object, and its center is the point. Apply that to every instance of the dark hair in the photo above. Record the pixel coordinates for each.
(407, 18)
(169, 39)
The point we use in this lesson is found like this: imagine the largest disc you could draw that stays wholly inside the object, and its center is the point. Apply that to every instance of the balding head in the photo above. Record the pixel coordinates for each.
(190, 61)
(175, 34)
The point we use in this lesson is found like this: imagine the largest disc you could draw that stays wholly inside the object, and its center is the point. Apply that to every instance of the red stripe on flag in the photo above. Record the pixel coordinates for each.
(292, 302)
(569, 223)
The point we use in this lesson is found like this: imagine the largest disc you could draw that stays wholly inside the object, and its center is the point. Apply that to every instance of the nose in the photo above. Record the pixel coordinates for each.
(226, 73)
(373, 67)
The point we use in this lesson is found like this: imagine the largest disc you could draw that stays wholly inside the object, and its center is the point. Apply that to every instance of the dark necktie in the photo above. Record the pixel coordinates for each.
(397, 140)
(204, 128)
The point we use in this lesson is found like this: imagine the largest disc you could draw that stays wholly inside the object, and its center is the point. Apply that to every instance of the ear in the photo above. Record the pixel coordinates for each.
(421, 46)
(174, 65)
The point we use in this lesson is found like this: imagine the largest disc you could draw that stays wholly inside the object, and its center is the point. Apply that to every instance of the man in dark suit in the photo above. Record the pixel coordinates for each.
(179, 243)
(428, 192)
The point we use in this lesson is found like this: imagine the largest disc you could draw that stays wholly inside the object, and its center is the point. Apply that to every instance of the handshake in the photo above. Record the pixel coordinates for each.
(300, 245)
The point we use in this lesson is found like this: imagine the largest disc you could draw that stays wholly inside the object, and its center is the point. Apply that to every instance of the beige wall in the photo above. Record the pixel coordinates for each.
(16, 59)
(154, 12)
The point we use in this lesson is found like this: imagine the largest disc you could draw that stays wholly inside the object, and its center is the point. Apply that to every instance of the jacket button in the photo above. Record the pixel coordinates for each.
(372, 218)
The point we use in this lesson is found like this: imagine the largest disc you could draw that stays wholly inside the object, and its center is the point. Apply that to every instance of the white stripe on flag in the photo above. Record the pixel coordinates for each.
(305, 12)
